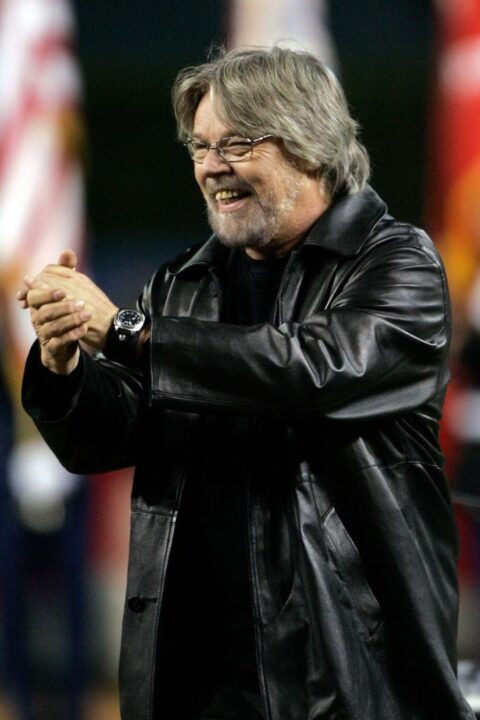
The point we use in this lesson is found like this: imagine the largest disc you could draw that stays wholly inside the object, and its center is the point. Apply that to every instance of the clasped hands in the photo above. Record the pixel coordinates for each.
(66, 308)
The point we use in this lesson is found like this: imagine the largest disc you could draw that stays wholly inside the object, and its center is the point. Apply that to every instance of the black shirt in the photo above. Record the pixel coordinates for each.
(251, 289)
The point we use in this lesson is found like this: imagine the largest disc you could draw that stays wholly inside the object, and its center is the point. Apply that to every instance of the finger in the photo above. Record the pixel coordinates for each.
(42, 296)
(62, 327)
(50, 272)
(57, 346)
(53, 311)
(59, 282)
(21, 297)
(68, 258)
(34, 282)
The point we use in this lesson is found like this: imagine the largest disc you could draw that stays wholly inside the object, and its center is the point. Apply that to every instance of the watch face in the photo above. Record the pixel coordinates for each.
(130, 320)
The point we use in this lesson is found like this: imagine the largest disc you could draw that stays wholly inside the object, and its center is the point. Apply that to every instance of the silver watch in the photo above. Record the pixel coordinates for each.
(128, 323)
(122, 338)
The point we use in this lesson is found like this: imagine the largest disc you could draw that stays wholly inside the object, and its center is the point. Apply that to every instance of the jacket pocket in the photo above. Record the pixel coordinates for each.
(346, 563)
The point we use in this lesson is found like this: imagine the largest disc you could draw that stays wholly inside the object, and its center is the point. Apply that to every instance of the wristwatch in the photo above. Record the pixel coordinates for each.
(122, 338)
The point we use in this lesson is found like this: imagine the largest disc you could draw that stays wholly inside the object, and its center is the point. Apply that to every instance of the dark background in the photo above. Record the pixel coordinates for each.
(143, 204)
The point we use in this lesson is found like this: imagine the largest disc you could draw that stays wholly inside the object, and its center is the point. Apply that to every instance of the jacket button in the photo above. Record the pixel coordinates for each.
(137, 604)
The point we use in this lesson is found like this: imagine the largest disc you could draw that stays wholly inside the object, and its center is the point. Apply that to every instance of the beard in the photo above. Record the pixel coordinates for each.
(256, 224)
(247, 227)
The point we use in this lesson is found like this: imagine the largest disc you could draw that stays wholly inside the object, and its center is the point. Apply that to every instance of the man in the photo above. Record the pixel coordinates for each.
(293, 548)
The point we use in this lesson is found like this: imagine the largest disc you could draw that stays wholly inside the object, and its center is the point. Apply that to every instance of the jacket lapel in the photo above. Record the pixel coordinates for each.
(345, 225)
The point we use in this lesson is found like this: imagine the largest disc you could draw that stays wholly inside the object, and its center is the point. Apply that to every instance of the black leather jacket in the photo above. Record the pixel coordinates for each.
(352, 372)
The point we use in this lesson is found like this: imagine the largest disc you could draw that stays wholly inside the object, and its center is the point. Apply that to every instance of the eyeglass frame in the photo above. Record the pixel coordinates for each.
(219, 150)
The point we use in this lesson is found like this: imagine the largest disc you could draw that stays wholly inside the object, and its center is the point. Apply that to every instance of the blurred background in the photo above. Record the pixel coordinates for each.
(89, 160)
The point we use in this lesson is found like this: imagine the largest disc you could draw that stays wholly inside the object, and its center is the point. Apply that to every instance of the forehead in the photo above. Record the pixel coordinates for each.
(206, 124)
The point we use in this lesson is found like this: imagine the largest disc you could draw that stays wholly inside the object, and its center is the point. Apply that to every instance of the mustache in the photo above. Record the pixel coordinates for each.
(213, 185)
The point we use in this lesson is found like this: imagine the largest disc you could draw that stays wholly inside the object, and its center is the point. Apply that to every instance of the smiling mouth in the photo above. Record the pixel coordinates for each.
(227, 197)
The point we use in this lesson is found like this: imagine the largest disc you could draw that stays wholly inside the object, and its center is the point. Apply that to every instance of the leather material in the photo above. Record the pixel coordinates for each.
(353, 547)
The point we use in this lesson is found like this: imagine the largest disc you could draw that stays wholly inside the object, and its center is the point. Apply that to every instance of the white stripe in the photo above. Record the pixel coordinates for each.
(25, 184)
(298, 23)
(460, 68)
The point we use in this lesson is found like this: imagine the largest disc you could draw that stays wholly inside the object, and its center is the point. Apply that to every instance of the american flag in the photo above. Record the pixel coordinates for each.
(41, 183)
(41, 207)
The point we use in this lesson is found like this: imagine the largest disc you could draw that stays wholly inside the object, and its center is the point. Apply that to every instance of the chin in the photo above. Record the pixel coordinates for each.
(234, 233)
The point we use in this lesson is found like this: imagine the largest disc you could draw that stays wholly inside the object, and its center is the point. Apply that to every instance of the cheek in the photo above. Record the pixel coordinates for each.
(198, 176)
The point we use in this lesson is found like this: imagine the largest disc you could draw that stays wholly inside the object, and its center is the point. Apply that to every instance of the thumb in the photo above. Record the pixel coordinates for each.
(68, 258)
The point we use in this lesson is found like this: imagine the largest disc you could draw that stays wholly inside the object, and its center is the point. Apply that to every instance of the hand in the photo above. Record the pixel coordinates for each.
(67, 259)
(59, 324)
(77, 286)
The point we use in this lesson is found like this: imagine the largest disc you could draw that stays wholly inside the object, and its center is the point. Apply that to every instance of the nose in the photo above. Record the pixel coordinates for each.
(214, 163)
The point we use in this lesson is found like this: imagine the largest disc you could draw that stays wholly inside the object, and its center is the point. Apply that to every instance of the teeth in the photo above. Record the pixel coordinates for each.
(226, 194)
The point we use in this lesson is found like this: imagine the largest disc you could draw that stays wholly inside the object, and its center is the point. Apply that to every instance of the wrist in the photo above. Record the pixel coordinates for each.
(108, 326)
(60, 367)
(126, 336)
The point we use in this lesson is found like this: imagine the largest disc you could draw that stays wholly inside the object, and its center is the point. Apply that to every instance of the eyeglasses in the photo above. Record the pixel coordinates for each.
(232, 149)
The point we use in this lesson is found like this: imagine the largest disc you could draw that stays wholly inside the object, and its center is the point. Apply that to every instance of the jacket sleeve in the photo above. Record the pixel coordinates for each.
(95, 427)
(378, 346)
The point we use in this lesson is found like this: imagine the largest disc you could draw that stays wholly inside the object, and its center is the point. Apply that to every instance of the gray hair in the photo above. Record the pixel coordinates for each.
(282, 92)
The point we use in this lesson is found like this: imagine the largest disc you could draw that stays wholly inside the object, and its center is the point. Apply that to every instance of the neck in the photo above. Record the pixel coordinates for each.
(273, 250)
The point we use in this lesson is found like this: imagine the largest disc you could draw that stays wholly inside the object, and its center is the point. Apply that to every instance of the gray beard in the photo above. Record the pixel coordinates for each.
(254, 232)
(258, 226)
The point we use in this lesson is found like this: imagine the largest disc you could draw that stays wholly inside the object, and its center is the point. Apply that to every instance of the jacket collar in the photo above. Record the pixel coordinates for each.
(347, 222)
(342, 228)
(210, 254)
